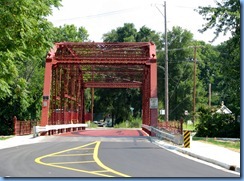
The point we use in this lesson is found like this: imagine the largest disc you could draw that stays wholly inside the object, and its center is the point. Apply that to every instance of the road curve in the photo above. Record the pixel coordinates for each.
(79, 156)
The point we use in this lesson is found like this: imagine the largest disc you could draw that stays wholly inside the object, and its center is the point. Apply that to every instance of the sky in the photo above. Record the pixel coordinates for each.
(101, 16)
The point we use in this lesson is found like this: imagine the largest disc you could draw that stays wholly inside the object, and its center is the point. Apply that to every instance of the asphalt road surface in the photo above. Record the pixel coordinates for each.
(84, 156)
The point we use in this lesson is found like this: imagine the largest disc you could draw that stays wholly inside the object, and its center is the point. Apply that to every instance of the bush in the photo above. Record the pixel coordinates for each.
(6, 127)
(217, 125)
(132, 123)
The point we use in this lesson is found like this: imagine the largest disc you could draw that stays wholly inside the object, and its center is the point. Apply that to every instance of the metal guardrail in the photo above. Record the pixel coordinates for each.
(146, 127)
(40, 129)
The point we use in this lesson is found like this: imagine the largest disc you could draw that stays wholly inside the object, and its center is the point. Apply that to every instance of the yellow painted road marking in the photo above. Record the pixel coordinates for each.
(95, 157)
(85, 154)
(84, 147)
(61, 163)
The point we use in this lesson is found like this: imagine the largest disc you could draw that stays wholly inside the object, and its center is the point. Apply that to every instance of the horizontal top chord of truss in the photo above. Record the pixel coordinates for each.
(107, 53)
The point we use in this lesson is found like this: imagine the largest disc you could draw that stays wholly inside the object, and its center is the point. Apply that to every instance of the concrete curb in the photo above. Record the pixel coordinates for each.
(224, 165)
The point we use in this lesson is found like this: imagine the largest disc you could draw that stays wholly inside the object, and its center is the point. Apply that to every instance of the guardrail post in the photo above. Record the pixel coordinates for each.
(35, 134)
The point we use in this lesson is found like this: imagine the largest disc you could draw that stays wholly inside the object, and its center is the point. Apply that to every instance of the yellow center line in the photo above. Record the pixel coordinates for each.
(85, 148)
(63, 163)
(85, 154)
(97, 160)
(95, 157)
(100, 171)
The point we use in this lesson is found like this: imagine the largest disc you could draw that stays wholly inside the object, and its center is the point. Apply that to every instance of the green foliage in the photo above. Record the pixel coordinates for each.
(5, 137)
(224, 18)
(135, 122)
(128, 33)
(189, 126)
(212, 124)
(132, 123)
(230, 85)
(70, 33)
(24, 41)
(117, 102)
(92, 125)
(180, 68)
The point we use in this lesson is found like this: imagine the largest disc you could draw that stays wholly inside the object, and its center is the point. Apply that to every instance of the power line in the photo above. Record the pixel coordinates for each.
(109, 13)
(101, 14)
(173, 49)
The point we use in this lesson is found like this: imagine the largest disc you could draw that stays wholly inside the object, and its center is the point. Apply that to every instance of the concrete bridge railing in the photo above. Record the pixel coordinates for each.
(57, 128)
(175, 138)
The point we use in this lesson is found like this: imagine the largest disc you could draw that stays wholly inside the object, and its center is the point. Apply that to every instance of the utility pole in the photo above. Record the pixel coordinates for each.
(166, 87)
(194, 82)
(209, 95)
(166, 68)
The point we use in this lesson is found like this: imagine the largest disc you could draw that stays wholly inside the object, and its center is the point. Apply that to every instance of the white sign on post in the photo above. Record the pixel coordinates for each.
(162, 112)
(153, 103)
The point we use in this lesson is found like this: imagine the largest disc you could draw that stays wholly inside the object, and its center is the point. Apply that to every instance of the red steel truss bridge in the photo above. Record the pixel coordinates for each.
(73, 67)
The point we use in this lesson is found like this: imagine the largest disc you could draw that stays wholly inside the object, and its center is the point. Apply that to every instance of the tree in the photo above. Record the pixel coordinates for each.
(145, 34)
(70, 33)
(226, 18)
(180, 55)
(127, 33)
(24, 41)
(217, 125)
(210, 71)
(230, 84)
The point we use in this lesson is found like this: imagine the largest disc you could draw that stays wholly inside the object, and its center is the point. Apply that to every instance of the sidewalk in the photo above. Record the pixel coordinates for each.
(207, 152)
(20, 140)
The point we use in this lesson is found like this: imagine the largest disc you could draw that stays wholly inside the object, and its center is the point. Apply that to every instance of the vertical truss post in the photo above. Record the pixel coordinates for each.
(145, 97)
(77, 90)
(52, 119)
(153, 94)
(46, 93)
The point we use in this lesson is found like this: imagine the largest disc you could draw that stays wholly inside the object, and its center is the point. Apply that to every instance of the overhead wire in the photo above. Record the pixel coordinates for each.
(100, 14)
(109, 13)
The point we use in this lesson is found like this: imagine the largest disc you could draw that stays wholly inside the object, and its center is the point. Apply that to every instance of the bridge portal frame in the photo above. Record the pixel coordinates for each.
(65, 79)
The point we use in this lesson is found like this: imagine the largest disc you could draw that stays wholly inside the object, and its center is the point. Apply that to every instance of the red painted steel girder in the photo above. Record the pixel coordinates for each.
(102, 53)
(112, 85)
(105, 73)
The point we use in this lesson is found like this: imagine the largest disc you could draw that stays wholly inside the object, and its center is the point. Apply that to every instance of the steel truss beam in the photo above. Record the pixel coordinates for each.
(72, 67)
(113, 85)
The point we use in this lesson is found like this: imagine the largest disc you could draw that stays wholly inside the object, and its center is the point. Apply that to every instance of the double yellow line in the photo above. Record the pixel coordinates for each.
(104, 172)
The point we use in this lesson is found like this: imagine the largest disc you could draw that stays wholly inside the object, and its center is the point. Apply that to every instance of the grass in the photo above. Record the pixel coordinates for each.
(5, 137)
(190, 127)
(92, 125)
(232, 145)
(133, 123)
